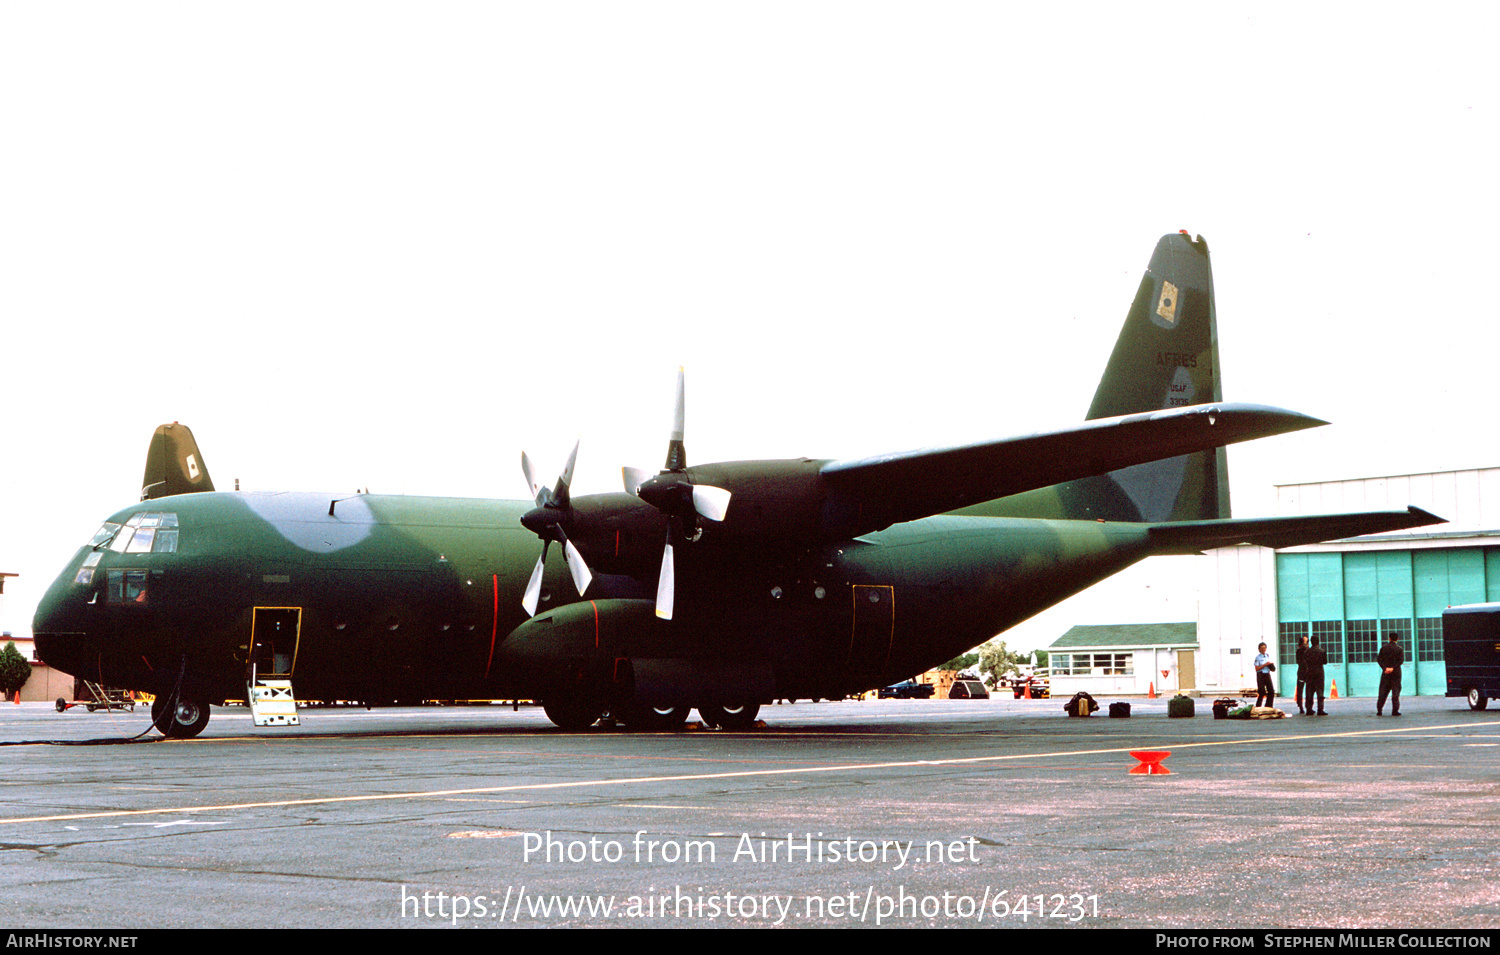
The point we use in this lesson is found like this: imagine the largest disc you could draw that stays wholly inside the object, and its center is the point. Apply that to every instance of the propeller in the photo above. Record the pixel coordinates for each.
(675, 495)
(547, 520)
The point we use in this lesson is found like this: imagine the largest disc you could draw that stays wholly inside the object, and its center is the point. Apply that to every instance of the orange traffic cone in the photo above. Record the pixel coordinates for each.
(1151, 691)
(1334, 694)
(1026, 693)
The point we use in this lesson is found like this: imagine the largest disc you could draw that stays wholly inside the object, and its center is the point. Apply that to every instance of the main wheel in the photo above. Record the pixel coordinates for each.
(653, 719)
(740, 717)
(1477, 700)
(184, 720)
(573, 712)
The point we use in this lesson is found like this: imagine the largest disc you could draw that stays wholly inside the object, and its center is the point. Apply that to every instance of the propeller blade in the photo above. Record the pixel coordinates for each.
(537, 492)
(565, 480)
(534, 585)
(665, 586)
(634, 478)
(676, 453)
(710, 502)
(576, 566)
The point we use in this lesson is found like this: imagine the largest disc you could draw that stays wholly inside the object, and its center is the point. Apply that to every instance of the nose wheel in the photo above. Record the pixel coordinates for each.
(183, 719)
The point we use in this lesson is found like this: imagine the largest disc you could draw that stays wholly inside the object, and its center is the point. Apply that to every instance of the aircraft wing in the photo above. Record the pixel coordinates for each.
(893, 488)
(1192, 537)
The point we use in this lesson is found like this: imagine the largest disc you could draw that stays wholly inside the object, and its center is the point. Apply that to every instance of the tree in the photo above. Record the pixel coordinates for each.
(14, 669)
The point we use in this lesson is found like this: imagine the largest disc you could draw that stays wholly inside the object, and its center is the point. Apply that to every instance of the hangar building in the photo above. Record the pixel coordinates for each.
(1352, 593)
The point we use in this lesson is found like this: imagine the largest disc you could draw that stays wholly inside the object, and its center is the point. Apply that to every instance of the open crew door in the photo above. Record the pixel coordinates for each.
(273, 657)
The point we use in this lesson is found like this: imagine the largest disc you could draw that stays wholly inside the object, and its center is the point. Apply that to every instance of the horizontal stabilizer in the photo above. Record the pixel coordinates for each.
(1192, 537)
(893, 488)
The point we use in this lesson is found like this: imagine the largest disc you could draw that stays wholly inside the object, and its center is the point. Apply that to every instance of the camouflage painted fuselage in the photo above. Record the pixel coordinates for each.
(420, 598)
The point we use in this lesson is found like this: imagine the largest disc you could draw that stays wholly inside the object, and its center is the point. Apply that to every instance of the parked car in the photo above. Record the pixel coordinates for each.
(968, 690)
(907, 690)
(1040, 689)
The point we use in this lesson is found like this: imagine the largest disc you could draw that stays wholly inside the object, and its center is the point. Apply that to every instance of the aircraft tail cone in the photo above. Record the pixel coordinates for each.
(1150, 762)
(1333, 694)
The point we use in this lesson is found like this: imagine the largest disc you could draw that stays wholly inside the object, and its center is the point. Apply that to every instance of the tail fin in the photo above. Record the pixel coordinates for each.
(1167, 356)
(174, 465)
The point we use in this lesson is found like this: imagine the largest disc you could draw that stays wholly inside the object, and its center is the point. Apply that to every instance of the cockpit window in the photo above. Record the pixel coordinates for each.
(125, 587)
(144, 533)
(104, 534)
(86, 570)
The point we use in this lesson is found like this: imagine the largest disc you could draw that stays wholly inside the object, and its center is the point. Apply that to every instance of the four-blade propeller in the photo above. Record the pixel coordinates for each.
(547, 520)
(671, 491)
(674, 494)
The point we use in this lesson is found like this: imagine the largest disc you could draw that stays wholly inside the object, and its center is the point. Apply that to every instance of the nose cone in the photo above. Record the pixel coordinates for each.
(58, 626)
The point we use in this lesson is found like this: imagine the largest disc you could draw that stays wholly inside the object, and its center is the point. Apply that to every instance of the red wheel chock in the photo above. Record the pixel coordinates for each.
(1150, 762)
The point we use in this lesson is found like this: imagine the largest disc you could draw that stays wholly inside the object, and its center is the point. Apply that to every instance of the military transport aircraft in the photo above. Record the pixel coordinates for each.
(712, 586)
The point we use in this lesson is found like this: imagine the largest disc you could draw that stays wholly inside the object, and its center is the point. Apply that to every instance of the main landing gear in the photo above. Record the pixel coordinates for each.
(576, 713)
(183, 719)
(740, 717)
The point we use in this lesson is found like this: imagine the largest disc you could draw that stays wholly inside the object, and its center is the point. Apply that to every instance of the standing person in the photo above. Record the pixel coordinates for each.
(1264, 688)
(1301, 682)
(1312, 667)
(1390, 659)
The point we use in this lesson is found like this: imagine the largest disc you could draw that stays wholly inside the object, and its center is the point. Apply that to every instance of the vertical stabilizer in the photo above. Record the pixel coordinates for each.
(1167, 356)
(174, 465)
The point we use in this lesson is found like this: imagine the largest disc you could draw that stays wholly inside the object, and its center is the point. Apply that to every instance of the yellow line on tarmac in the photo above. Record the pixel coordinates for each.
(690, 777)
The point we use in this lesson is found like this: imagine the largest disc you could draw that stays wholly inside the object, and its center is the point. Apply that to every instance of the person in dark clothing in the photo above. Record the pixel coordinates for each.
(1312, 666)
(1301, 682)
(1390, 659)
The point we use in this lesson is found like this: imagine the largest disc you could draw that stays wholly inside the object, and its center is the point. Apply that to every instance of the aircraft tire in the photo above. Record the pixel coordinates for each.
(572, 712)
(741, 717)
(184, 721)
(653, 719)
(1477, 700)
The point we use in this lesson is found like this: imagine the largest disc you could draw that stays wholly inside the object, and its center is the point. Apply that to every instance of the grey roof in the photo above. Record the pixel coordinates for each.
(1116, 636)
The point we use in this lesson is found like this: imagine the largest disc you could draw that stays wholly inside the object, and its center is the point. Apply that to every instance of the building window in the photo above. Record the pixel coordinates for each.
(1364, 641)
(1287, 643)
(1401, 628)
(1429, 638)
(1330, 634)
(1093, 664)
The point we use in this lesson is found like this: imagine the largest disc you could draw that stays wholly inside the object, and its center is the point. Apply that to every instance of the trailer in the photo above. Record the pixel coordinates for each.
(1471, 652)
(101, 698)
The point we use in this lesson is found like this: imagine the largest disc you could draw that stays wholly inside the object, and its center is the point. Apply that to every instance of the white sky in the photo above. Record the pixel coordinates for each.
(393, 244)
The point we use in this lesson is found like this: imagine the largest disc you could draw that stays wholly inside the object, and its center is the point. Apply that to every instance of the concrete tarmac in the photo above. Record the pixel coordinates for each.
(900, 813)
